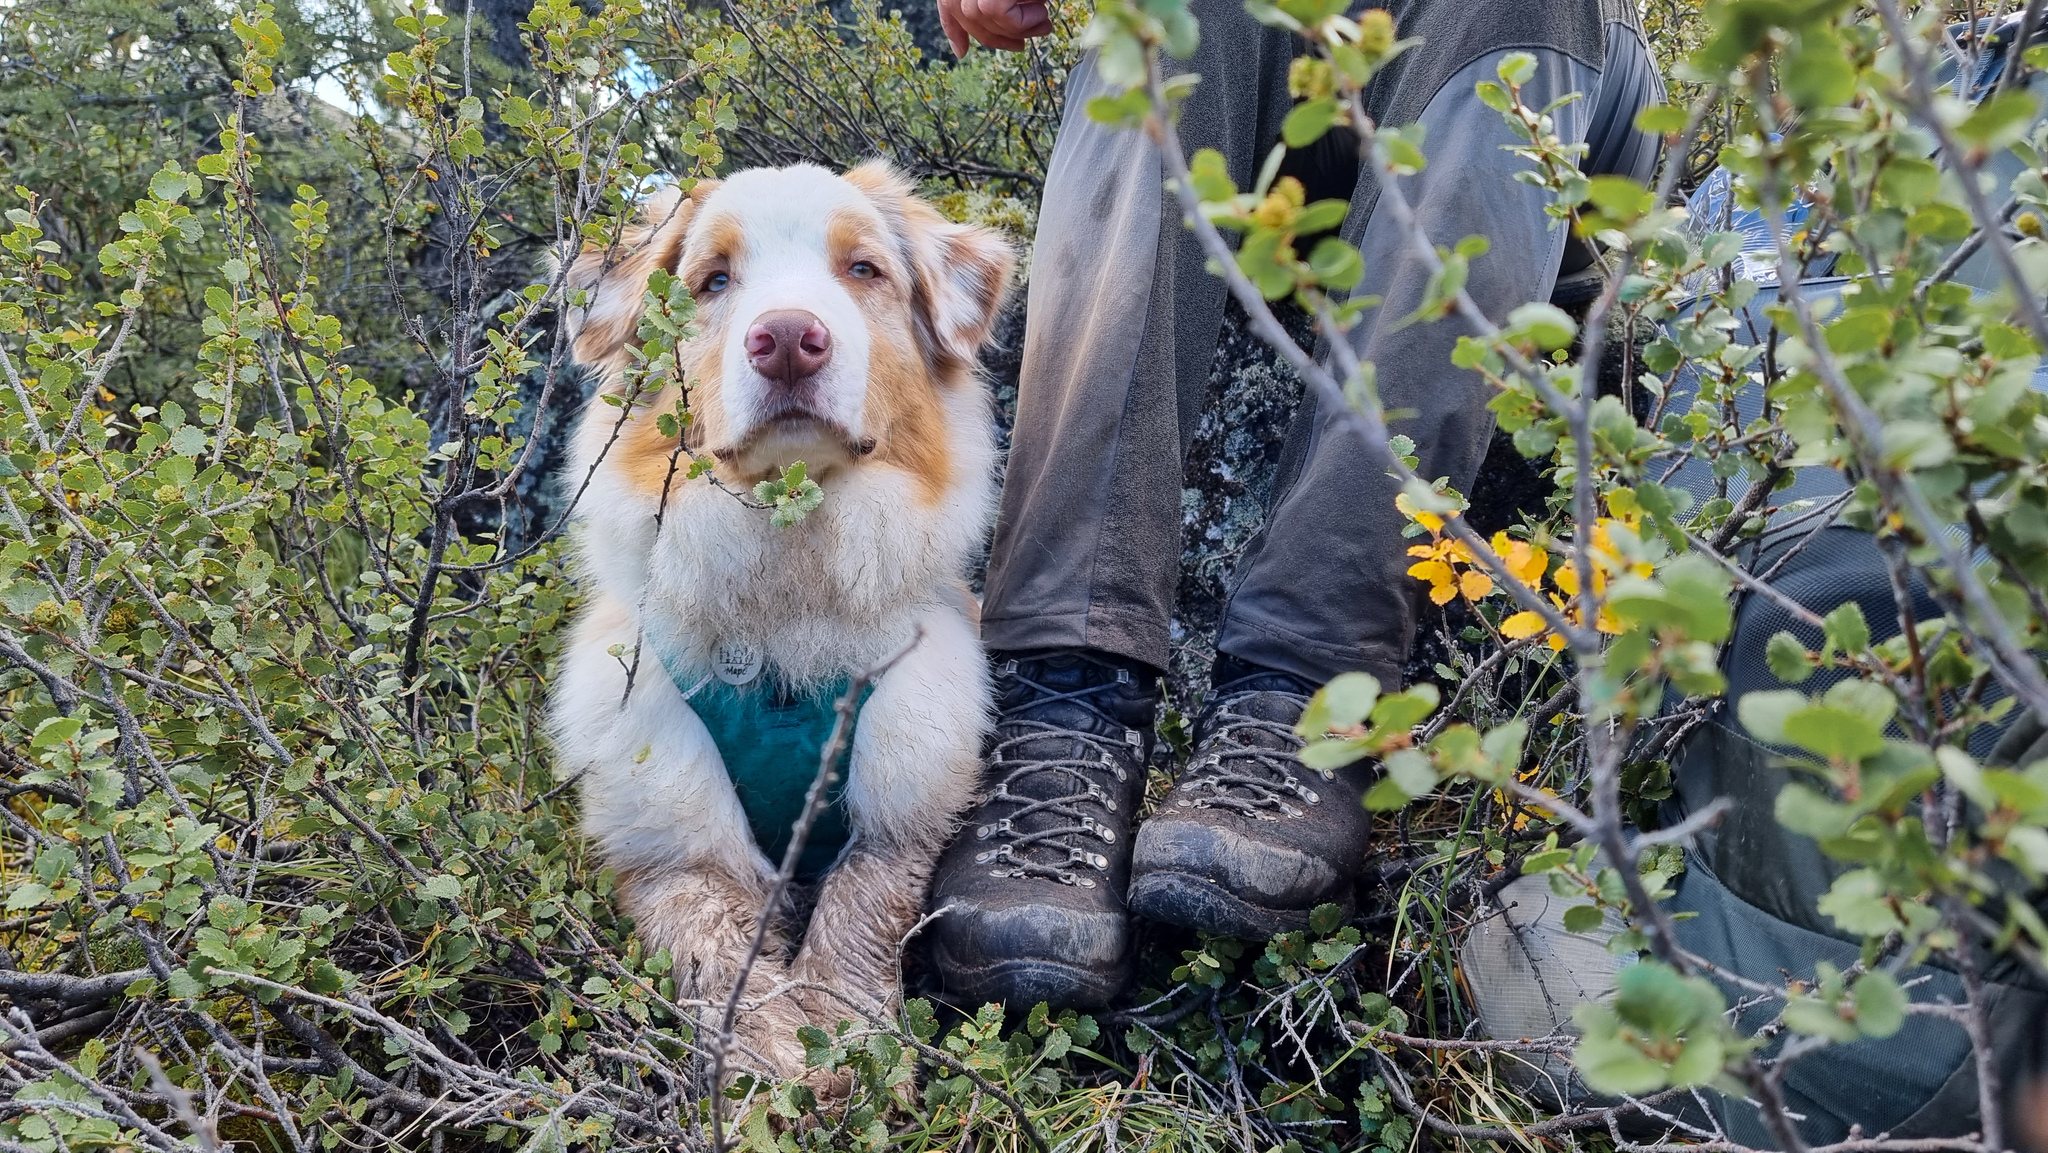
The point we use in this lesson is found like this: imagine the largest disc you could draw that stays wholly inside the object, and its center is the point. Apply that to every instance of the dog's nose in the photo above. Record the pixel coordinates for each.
(789, 345)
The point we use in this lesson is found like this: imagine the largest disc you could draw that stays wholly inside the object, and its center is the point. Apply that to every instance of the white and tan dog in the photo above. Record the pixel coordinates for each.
(839, 320)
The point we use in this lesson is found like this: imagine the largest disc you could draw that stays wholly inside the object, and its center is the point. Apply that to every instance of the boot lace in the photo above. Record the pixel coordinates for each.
(1056, 850)
(1249, 764)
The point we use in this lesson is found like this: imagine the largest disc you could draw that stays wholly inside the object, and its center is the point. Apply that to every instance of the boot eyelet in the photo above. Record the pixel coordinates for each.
(1086, 882)
(984, 858)
(1100, 862)
(983, 833)
(1108, 834)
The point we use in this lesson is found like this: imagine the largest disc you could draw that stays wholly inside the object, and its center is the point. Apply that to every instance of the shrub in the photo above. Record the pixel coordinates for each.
(286, 862)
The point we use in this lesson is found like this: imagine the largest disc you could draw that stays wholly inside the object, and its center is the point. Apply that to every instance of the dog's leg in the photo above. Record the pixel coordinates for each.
(657, 800)
(706, 917)
(866, 906)
(916, 763)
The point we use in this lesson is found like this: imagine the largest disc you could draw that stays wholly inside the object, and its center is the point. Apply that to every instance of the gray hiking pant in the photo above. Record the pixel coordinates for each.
(1124, 321)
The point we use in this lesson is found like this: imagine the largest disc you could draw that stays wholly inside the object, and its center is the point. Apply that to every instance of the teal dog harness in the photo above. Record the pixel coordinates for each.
(771, 737)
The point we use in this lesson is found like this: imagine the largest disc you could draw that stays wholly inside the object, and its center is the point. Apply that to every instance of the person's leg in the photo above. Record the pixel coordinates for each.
(1087, 547)
(1123, 324)
(1324, 588)
(1250, 840)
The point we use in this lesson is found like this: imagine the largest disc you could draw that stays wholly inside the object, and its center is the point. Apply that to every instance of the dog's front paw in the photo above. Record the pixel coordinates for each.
(832, 1087)
(767, 1040)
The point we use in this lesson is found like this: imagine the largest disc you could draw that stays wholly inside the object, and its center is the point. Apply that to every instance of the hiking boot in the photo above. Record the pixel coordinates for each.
(1033, 883)
(1250, 839)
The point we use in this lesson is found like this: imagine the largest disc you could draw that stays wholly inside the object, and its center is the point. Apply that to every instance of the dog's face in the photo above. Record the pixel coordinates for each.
(834, 313)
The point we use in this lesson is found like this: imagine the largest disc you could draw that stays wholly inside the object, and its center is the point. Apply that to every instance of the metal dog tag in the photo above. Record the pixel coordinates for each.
(736, 663)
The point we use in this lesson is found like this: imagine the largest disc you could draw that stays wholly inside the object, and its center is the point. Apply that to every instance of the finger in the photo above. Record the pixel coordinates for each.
(1032, 19)
(949, 19)
(991, 23)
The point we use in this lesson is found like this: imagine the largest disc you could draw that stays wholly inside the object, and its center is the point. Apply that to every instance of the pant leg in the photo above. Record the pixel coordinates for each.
(1324, 587)
(1123, 321)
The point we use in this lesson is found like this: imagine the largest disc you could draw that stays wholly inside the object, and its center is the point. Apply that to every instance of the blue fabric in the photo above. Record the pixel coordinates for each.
(771, 738)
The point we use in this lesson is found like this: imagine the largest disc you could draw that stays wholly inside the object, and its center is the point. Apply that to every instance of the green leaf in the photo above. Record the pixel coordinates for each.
(1386, 795)
(1817, 1018)
(1909, 181)
(1619, 197)
(1405, 709)
(1327, 756)
(1764, 713)
(1880, 1004)
(26, 895)
(1846, 629)
(1811, 814)
(1410, 772)
(918, 1015)
(1343, 703)
(55, 731)
(1516, 69)
(1999, 121)
(1789, 660)
(1325, 919)
(1125, 111)
(1543, 324)
(1308, 121)
(1834, 733)
(443, 885)
(169, 183)
(1661, 119)
(1336, 264)
(1820, 73)
(1210, 175)
(1584, 918)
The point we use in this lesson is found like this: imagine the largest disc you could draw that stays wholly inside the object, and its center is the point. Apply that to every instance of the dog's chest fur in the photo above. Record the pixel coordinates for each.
(834, 593)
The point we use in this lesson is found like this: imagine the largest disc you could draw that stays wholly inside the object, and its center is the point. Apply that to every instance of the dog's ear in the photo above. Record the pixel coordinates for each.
(963, 272)
(614, 280)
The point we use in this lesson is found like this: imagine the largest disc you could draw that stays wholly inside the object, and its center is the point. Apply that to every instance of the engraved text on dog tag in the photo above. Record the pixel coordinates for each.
(736, 663)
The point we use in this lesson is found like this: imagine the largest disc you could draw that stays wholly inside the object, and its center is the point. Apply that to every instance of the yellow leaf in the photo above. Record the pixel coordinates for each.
(1567, 579)
(1421, 550)
(1442, 594)
(1526, 562)
(1435, 572)
(1522, 624)
(1475, 584)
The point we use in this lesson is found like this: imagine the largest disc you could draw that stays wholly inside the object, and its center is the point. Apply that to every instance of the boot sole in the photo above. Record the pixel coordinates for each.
(1197, 902)
(1027, 981)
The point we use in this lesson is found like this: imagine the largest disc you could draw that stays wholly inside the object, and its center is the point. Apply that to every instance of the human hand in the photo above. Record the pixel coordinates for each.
(1005, 24)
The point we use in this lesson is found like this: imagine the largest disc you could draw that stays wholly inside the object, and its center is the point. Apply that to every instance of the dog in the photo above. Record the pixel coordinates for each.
(838, 322)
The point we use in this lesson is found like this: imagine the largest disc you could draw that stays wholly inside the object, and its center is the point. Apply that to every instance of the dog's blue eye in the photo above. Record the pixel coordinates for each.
(862, 270)
(717, 282)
